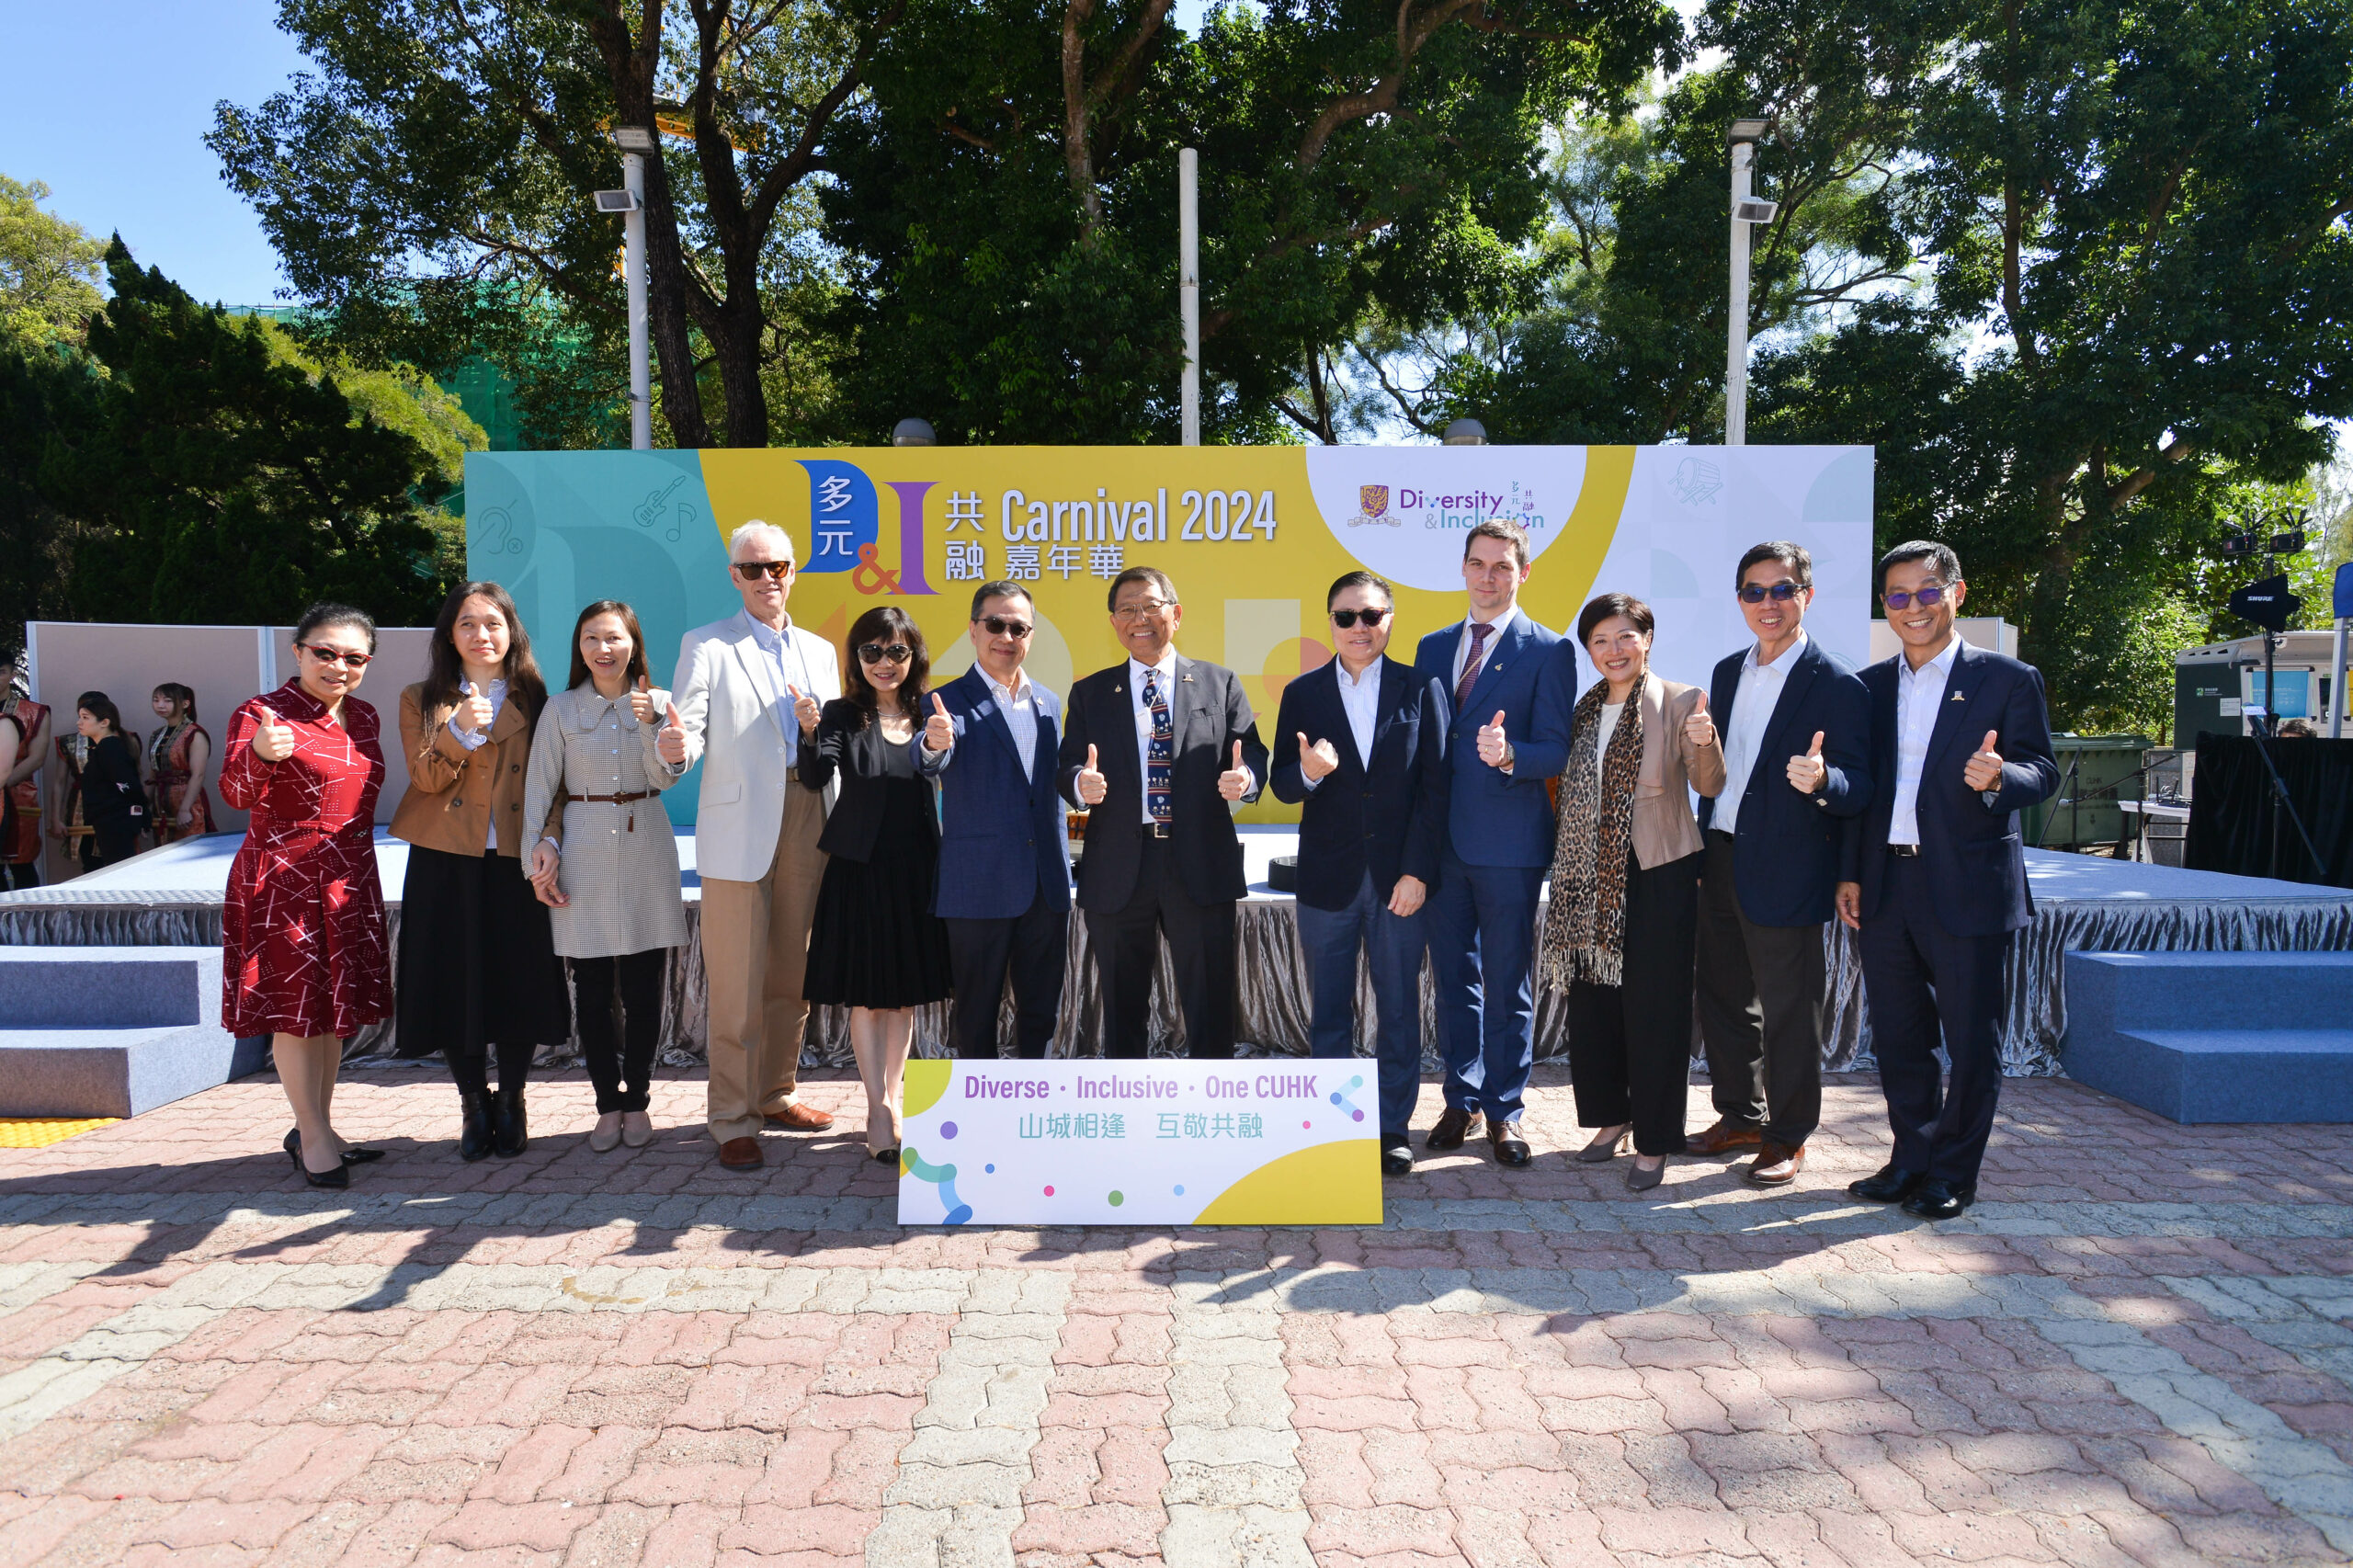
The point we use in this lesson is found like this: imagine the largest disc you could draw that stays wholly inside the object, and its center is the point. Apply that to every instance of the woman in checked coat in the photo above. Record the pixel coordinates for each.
(612, 883)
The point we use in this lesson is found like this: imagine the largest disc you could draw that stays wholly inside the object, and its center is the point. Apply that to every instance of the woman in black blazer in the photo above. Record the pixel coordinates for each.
(114, 802)
(874, 945)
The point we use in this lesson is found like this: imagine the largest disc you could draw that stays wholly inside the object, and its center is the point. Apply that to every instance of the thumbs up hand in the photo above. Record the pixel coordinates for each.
(640, 702)
(670, 742)
(804, 709)
(1495, 746)
(1983, 770)
(1092, 785)
(1809, 773)
(1317, 760)
(1698, 729)
(273, 739)
(939, 729)
(474, 714)
(1234, 782)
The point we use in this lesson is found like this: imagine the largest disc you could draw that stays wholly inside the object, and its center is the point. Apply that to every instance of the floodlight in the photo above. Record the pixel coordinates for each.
(618, 201)
(633, 138)
(1747, 130)
(1754, 210)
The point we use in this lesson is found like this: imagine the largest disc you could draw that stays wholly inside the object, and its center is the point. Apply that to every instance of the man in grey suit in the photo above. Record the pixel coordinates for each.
(749, 689)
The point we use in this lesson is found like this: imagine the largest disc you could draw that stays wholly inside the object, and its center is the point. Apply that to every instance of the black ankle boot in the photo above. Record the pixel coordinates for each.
(474, 1135)
(506, 1115)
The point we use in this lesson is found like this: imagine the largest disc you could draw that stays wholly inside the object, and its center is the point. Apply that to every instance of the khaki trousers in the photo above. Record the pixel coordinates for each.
(754, 952)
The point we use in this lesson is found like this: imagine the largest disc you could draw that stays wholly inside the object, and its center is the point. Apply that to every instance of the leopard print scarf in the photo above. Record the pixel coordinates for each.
(1584, 924)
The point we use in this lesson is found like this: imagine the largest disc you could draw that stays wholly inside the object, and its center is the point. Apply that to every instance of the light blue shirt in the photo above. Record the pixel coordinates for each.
(1360, 700)
(1752, 708)
(1919, 694)
(1019, 706)
(792, 675)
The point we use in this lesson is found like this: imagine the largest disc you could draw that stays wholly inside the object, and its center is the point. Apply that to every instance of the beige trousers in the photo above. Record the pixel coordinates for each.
(754, 952)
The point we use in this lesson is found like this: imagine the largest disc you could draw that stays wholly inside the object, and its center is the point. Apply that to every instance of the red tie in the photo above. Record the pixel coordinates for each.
(1471, 665)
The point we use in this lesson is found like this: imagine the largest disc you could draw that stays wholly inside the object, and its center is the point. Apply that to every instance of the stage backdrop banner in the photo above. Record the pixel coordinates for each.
(1252, 537)
(1259, 1143)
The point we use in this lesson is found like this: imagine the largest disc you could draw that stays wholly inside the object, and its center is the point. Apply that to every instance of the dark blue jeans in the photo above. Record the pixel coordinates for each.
(1392, 945)
(1482, 947)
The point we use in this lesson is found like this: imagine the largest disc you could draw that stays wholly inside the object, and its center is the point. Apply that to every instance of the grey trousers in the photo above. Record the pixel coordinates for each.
(1763, 1005)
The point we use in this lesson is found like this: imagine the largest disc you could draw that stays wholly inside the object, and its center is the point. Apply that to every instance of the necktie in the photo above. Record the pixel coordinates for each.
(1162, 751)
(1471, 665)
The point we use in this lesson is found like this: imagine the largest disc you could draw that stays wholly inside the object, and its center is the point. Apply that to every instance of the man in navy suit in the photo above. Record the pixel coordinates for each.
(1505, 687)
(1355, 738)
(1935, 875)
(1004, 887)
(1160, 748)
(1795, 722)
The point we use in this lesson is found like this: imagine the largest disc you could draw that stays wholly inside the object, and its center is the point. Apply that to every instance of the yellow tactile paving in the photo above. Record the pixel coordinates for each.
(41, 1131)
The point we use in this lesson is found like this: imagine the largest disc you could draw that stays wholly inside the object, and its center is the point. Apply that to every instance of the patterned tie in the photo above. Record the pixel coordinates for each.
(1471, 665)
(1163, 752)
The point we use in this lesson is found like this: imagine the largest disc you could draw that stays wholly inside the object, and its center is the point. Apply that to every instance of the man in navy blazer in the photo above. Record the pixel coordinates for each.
(1506, 687)
(1934, 875)
(1004, 887)
(1795, 722)
(1353, 741)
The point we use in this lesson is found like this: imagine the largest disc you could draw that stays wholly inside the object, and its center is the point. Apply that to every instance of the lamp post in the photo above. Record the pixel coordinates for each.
(1745, 209)
(635, 141)
(1189, 290)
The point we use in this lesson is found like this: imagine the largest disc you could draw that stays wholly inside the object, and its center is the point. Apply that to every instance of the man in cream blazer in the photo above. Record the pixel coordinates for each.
(748, 690)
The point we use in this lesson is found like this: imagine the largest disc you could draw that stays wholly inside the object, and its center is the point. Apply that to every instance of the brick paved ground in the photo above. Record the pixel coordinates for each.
(2134, 1351)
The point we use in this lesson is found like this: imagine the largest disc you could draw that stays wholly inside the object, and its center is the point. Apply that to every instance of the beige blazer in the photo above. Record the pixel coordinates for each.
(1664, 828)
(452, 791)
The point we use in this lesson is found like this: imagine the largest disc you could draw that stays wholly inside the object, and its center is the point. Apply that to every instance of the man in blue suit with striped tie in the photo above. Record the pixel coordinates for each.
(1507, 687)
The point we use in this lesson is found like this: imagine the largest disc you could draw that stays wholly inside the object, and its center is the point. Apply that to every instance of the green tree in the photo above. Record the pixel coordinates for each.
(49, 270)
(41, 389)
(224, 476)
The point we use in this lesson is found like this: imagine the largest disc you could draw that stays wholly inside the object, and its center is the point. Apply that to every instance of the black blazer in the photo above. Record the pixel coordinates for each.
(847, 745)
(1785, 845)
(1975, 860)
(1209, 713)
(112, 796)
(1354, 820)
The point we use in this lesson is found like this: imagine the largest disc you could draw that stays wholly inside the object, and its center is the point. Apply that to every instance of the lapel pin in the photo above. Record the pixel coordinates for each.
(1958, 696)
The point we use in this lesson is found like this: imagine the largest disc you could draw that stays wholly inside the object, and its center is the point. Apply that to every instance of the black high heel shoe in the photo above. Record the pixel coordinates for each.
(507, 1118)
(474, 1134)
(339, 1176)
(353, 1155)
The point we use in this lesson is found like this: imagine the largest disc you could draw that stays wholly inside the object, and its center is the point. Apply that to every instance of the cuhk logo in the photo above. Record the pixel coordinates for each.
(1372, 503)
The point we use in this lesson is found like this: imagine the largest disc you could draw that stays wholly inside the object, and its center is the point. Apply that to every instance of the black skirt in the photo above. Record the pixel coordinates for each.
(874, 941)
(477, 965)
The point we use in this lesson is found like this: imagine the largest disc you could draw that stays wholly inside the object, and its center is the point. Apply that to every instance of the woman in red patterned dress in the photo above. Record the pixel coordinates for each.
(175, 760)
(302, 933)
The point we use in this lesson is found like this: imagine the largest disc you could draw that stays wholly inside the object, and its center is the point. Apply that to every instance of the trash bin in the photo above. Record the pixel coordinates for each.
(2095, 772)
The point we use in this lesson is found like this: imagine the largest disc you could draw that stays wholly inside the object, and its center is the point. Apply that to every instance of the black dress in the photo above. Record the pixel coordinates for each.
(873, 942)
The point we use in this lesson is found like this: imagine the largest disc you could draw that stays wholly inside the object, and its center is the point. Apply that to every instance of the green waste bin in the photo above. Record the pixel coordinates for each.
(2082, 811)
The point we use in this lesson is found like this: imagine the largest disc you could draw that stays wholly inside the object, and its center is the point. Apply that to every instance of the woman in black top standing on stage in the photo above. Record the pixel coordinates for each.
(114, 802)
(874, 945)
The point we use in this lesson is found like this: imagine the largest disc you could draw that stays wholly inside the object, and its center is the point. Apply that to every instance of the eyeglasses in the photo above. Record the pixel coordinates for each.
(777, 571)
(1927, 598)
(1000, 627)
(1141, 609)
(876, 653)
(336, 655)
(1779, 593)
(1344, 619)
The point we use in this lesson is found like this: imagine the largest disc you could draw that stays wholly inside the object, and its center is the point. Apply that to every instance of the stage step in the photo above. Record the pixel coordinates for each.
(113, 1031)
(2215, 1037)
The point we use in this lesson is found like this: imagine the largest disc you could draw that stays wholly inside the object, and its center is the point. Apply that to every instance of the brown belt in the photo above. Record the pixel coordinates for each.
(629, 826)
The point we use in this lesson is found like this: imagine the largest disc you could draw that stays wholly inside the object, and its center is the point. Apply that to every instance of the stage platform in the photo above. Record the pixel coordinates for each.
(171, 897)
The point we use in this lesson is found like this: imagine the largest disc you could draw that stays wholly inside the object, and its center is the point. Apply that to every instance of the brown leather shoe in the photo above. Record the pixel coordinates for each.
(741, 1155)
(1777, 1164)
(1452, 1127)
(797, 1118)
(1724, 1138)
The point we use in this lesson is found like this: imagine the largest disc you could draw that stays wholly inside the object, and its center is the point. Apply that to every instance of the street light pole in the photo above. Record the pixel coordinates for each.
(1189, 289)
(635, 143)
(1744, 136)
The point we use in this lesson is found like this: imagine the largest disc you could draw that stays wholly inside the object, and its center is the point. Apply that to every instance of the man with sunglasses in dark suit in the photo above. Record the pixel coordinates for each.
(1795, 720)
(1356, 740)
(1004, 887)
(1934, 875)
(1160, 748)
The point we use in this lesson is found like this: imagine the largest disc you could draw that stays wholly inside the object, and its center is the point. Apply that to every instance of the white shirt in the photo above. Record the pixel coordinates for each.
(1501, 624)
(1360, 700)
(1018, 703)
(473, 740)
(1166, 673)
(1919, 697)
(1609, 727)
(1752, 710)
(791, 673)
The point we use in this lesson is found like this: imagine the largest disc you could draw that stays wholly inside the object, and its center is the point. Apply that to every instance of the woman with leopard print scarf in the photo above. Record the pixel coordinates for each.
(1624, 913)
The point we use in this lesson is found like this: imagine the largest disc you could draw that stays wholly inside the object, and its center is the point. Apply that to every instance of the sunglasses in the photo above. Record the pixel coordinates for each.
(1000, 627)
(336, 655)
(777, 571)
(1929, 598)
(1779, 593)
(876, 653)
(1344, 619)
